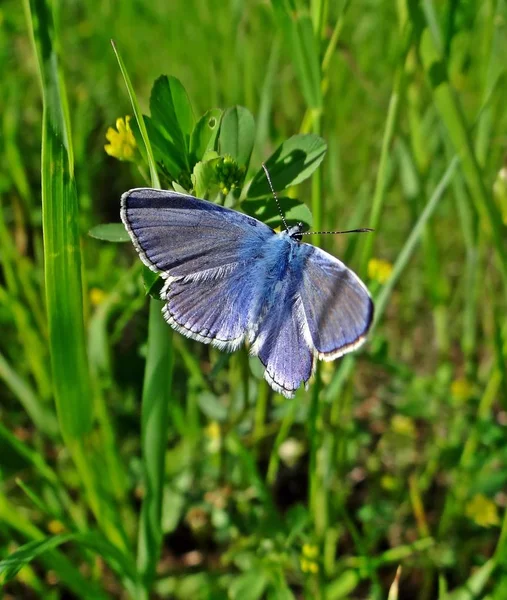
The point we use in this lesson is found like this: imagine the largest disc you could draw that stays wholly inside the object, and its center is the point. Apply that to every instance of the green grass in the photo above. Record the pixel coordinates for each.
(138, 464)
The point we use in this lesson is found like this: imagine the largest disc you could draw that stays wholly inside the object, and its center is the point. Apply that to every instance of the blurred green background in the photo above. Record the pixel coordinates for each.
(193, 479)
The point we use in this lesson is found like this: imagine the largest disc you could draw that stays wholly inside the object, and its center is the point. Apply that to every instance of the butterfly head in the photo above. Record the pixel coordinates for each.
(296, 232)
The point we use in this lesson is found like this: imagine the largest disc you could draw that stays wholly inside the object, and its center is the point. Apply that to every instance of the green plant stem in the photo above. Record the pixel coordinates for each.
(261, 407)
(155, 403)
(346, 365)
(453, 118)
(155, 417)
(283, 432)
(380, 185)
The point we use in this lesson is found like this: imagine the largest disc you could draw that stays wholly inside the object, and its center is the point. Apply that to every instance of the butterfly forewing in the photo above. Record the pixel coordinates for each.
(178, 235)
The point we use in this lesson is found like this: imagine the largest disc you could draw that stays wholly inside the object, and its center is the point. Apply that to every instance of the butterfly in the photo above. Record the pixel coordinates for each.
(231, 279)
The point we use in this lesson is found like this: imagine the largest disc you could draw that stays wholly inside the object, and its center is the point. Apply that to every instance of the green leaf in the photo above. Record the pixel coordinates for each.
(279, 589)
(305, 55)
(146, 150)
(73, 392)
(293, 162)
(304, 49)
(453, 117)
(179, 188)
(297, 518)
(171, 113)
(122, 564)
(343, 586)
(110, 232)
(265, 210)
(173, 508)
(204, 134)
(212, 407)
(152, 283)
(249, 586)
(42, 415)
(62, 250)
(164, 150)
(204, 178)
(237, 134)
(475, 584)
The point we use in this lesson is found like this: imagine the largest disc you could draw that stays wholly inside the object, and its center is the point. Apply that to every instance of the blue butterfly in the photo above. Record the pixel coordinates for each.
(231, 279)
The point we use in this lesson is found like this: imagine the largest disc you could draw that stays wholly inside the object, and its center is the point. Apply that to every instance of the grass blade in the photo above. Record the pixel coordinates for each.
(156, 399)
(453, 118)
(61, 242)
(139, 118)
(382, 176)
(42, 418)
(409, 247)
(64, 289)
(10, 566)
(67, 573)
(346, 365)
(155, 424)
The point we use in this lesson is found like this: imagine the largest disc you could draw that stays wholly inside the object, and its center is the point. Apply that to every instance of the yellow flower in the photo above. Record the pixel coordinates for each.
(310, 551)
(214, 435)
(55, 527)
(482, 511)
(96, 296)
(389, 483)
(308, 561)
(121, 142)
(213, 431)
(308, 566)
(461, 389)
(403, 426)
(380, 270)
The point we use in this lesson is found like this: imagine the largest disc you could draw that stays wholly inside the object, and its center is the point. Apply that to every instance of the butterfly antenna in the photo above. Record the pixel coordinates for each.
(363, 230)
(275, 196)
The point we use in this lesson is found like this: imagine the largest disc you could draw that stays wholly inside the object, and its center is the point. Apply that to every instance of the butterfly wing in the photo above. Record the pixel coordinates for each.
(218, 264)
(204, 252)
(337, 306)
(215, 311)
(280, 341)
(282, 349)
(178, 235)
(322, 310)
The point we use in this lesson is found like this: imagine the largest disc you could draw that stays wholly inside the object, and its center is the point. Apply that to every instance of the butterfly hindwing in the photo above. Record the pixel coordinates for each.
(284, 352)
(337, 306)
(212, 310)
(281, 341)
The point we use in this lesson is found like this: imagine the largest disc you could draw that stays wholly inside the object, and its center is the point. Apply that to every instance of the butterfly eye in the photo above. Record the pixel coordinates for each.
(298, 234)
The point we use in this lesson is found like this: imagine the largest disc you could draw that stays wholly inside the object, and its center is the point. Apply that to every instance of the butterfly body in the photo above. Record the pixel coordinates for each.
(230, 279)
